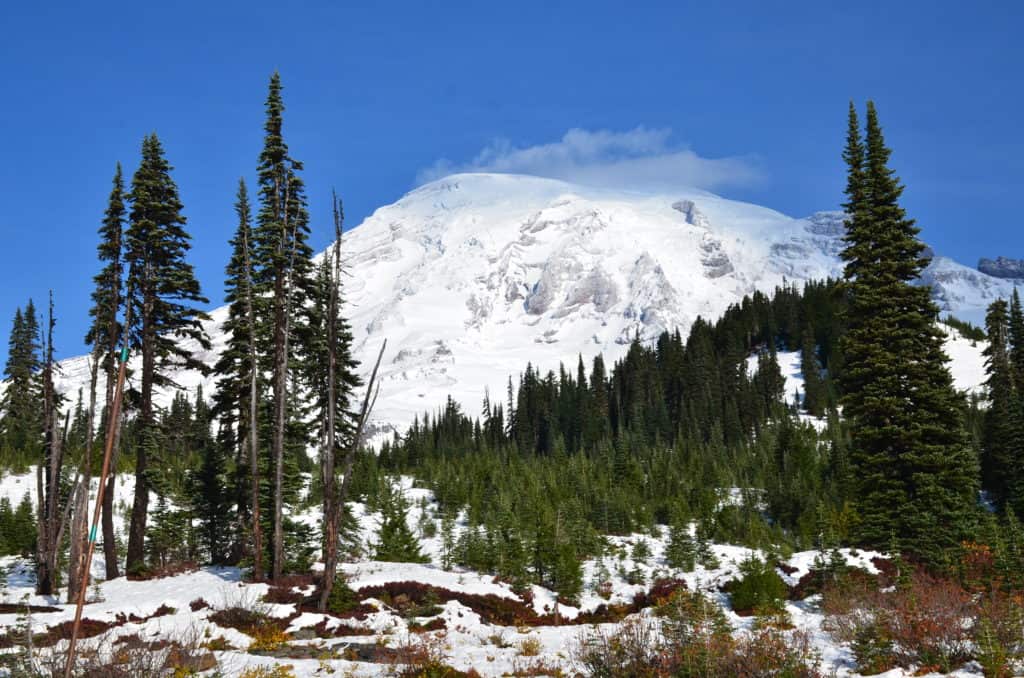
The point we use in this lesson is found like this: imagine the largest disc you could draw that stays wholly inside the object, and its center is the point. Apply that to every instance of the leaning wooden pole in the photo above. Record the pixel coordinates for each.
(114, 419)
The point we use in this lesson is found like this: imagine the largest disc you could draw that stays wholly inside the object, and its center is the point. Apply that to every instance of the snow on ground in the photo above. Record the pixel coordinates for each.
(966, 365)
(467, 642)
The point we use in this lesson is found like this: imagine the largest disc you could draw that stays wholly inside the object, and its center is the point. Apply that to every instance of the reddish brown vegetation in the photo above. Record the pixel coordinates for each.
(170, 570)
(924, 622)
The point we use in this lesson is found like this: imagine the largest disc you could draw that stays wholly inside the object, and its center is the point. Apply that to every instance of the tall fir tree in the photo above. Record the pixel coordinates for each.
(917, 477)
(282, 282)
(163, 292)
(815, 395)
(104, 335)
(105, 328)
(1016, 337)
(999, 461)
(238, 394)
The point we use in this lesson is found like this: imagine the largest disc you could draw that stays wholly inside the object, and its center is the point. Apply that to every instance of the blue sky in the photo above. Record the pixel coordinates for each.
(746, 98)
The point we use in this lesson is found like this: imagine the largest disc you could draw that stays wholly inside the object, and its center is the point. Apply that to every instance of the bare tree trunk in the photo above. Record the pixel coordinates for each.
(113, 332)
(330, 531)
(43, 583)
(51, 524)
(79, 536)
(253, 433)
(282, 332)
(331, 559)
(109, 536)
(76, 557)
(136, 557)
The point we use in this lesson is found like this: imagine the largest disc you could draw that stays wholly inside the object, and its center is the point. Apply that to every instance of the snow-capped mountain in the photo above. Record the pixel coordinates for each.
(472, 276)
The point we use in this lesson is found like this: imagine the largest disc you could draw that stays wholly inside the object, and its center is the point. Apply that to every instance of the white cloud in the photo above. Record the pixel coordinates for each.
(640, 159)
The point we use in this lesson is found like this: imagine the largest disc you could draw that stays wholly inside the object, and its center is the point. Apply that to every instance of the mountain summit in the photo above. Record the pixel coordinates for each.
(472, 276)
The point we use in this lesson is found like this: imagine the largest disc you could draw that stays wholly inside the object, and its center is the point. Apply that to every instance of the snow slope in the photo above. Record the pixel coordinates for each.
(472, 276)
(467, 643)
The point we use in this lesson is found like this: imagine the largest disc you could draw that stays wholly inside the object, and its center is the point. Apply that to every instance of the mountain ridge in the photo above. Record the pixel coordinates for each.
(473, 276)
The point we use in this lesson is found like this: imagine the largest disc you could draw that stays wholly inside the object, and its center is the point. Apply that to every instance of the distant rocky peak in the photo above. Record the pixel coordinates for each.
(1002, 267)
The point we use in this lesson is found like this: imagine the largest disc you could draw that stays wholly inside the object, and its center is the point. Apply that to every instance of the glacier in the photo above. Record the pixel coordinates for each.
(472, 276)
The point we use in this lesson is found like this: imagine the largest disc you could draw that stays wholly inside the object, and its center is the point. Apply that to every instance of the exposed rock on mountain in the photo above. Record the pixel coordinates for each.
(1002, 267)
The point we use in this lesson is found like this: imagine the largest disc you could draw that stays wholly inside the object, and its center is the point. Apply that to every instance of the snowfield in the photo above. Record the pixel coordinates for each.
(472, 276)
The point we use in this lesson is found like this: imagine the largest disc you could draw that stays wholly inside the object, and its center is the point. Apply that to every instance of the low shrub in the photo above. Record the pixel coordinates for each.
(696, 642)
(770, 652)
(342, 599)
(759, 587)
(242, 619)
(268, 638)
(925, 624)
(633, 649)
(530, 647)
(278, 671)
(998, 634)
(424, 657)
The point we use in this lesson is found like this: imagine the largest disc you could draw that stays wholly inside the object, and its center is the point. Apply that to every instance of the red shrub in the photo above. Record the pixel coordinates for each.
(925, 623)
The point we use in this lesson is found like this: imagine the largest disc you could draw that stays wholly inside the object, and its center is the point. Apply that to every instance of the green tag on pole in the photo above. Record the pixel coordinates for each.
(124, 354)
(92, 534)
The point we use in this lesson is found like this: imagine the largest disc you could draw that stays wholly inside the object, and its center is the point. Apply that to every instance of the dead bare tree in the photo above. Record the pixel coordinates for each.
(330, 531)
(283, 286)
(80, 498)
(52, 518)
(252, 431)
(335, 496)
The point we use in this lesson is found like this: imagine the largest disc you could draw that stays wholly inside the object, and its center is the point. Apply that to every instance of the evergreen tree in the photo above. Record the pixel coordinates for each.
(104, 335)
(447, 542)
(162, 292)
(567, 573)
(24, 527)
(213, 504)
(917, 478)
(1000, 461)
(105, 330)
(169, 535)
(239, 387)
(815, 399)
(396, 541)
(681, 551)
(1016, 337)
(768, 381)
(282, 279)
(20, 421)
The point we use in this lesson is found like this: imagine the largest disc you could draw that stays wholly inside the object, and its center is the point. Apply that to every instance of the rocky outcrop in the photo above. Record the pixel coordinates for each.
(1003, 267)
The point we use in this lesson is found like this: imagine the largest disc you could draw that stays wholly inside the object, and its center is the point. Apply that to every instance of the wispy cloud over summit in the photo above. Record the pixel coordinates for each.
(639, 159)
